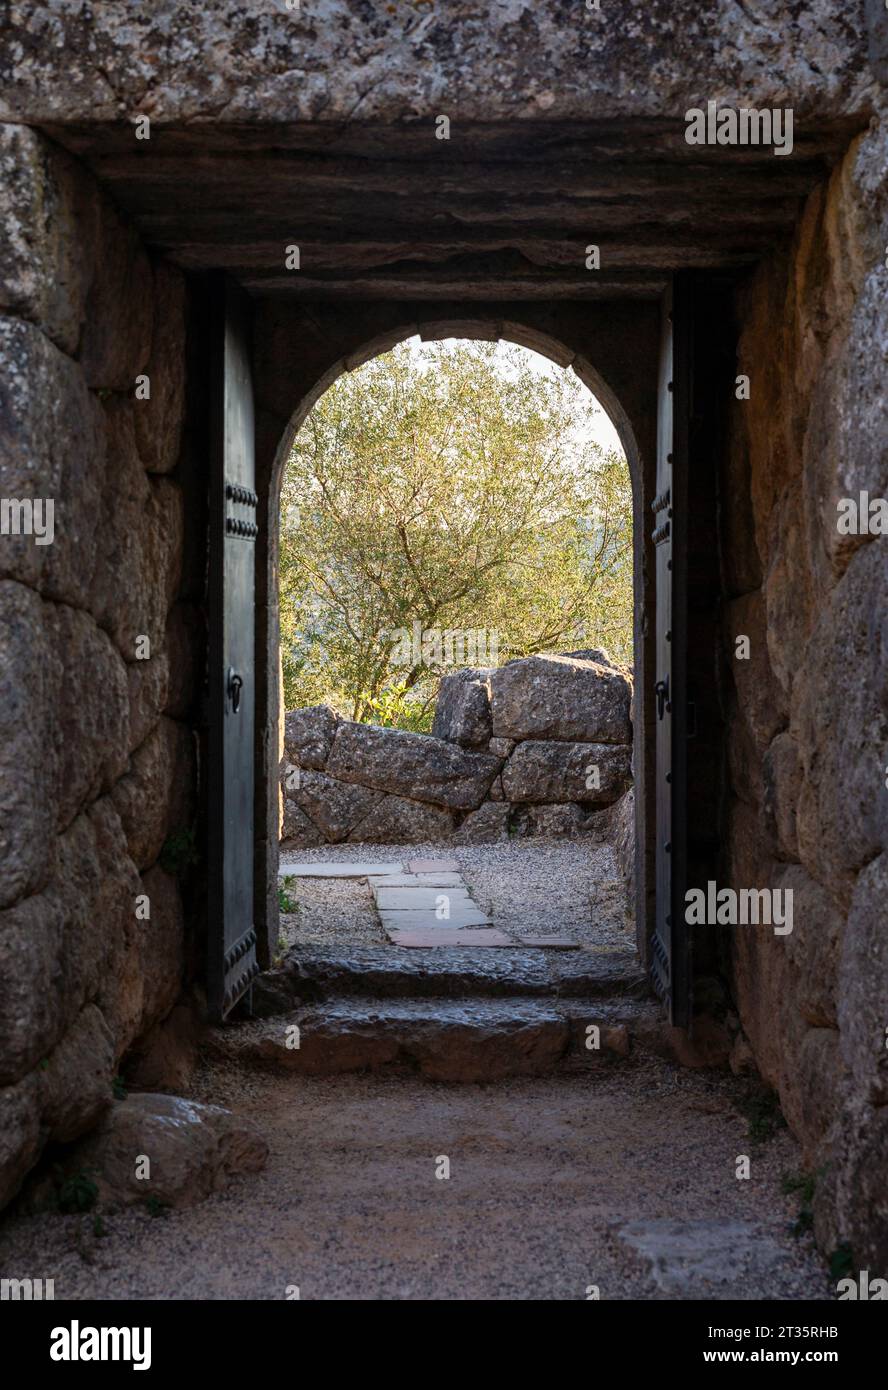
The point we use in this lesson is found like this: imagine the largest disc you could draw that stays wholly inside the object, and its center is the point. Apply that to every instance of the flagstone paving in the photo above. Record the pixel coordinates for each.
(549, 893)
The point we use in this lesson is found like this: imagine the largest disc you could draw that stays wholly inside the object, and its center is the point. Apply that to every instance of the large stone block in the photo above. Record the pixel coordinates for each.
(553, 771)
(21, 1135)
(863, 986)
(29, 681)
(812, 949)
(397, 821)
(32, 971)
(159, 419)
(194, 1150)
(559, 697)
(416, 766)
(49, 212)
(139, 564)
(840, 727)
(116, 341)
(309, 734)
(77, 1081)
(334, 807)
(91, 710)
(156, 796)
(52, 448)
(297, 831)
(462, 709)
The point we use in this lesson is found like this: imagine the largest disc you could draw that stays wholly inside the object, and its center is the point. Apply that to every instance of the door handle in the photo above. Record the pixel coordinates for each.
(235, 685)
(661, 690)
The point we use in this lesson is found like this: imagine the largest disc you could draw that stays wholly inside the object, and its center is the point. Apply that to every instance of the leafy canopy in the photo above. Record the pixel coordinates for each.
(454, 488)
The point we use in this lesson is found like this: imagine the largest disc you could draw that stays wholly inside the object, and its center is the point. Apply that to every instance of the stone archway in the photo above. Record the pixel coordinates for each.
(633, 424)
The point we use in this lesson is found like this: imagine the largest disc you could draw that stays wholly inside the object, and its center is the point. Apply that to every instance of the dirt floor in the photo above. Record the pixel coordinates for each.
(544, 1175)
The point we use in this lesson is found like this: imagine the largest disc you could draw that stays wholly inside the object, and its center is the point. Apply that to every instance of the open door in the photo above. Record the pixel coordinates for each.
(670, 949)
(231, 938)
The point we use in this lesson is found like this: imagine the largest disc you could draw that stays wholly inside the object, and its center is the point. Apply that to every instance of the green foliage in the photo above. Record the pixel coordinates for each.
(77, 1193)
(762, 1110)
(456, 489)
(841, 1262)
(156, 1207)
(118, 1088)
(179, 853)
(285, 902)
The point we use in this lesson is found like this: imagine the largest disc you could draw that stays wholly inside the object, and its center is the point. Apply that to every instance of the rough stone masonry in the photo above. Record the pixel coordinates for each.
(540, 746)
(96, 772)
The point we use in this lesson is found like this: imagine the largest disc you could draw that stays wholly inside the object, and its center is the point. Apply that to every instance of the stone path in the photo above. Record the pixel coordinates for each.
(426, 902)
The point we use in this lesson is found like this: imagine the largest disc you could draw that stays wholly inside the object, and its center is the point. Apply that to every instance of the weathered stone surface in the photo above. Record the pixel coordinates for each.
(448, 1040)
(155, 797)
(553, 771)
(139, 564)
(397, 821)
(264, 67)
(862, 986)
(20, 1134)
(500, 747)
(166, 1058)
(568, 819)
(334, 807)
(706, 1258)
(29, 677)
(462, 709)
(77, 1080)
(193, 1150)
(161, 942)
(556, 697)
(297, 831)
(32, 970)
(158, 420)
(839, 714)
(116, 340)
(311, 972)
(415, 766)
(416, 895)
(760, 698)
(148, 684)
(52, 447)
(346, 868)
(49, 218)
(462, 913)
(308, 735)
(812, 947)
(486, 825)
(91, 710)
(782, 781)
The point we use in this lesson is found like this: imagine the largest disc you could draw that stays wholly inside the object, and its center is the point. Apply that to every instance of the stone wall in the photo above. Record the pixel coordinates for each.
(540, 746)
(97, 650)
(808, 715)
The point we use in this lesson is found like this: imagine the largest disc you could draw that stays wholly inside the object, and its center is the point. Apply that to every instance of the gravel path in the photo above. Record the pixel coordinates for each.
(543, 887)
(543, 1174)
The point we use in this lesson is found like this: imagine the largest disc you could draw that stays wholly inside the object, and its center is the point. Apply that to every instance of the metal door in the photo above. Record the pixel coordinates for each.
(231, 938)
(670, 954)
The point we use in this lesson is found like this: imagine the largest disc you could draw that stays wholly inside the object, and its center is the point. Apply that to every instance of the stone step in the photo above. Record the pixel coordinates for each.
(458, 1040)
(310, 973)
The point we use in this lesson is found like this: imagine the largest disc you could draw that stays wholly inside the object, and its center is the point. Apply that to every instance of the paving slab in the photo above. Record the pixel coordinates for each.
(419, 881)
(461, 915)
(432, 866)
(429, 898)
(415, 938)
(705, 1259)
(343, 869)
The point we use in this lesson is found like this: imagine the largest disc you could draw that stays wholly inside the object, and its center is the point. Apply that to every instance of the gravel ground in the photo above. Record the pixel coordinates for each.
(545, 887)
(544, 1171)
